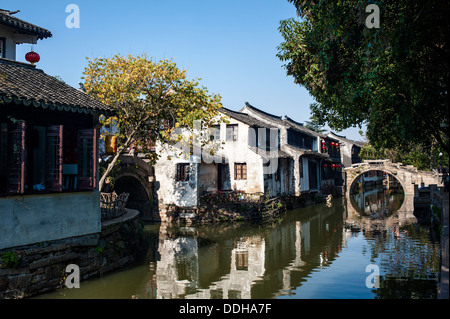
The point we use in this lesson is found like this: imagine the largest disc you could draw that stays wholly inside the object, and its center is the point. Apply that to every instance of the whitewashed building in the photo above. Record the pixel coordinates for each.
(255, 153)
(241, 158)
(302, 145)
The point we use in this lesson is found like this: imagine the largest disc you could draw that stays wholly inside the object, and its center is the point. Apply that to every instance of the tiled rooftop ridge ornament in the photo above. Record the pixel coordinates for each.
(32, 57)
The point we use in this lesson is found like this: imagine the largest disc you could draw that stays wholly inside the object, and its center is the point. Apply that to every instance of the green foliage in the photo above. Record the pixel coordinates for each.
(423, 158)
(394, 79)
(149, 100)
(10, 259)
(99, 250)
(314, 124)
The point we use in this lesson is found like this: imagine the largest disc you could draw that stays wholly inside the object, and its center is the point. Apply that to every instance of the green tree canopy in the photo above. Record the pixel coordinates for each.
(314, 124)
(149, 100)
(393, 78)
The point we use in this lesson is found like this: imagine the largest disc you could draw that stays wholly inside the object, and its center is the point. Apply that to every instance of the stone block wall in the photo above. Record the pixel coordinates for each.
(33, 269)
(225, 212)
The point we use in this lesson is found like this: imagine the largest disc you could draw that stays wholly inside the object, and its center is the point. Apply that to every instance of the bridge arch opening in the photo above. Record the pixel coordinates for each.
(376, 193)
(140, 198)
(376, 177)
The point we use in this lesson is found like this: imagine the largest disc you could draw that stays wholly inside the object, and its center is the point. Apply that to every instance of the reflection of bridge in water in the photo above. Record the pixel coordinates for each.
(380, 213)
(408, 177)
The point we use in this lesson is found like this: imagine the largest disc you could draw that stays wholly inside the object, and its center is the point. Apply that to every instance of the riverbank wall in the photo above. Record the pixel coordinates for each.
(443, 292)
(29, 270)
(431, 208)
(267, 211)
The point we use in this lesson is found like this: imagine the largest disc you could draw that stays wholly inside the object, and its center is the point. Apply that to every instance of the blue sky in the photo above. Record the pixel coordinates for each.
(231, 45)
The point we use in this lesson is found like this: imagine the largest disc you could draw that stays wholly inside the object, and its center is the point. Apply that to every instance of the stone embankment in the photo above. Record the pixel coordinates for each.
(265, 211)
(34, 269)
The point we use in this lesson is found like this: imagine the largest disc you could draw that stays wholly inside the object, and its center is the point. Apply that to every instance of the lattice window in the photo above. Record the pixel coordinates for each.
(232, 132)
(182, 172)
(87, 150)
(16, 158)
(54, 158)
(240, 171)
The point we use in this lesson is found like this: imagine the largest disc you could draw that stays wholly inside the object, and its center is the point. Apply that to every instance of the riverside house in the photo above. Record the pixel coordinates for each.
(245, 149)
(316, 168)
(349, 149)
(257, 153)
(48, 147)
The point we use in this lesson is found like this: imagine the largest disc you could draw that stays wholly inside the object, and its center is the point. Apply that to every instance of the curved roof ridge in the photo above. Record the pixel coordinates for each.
(262, 112)
(7, 18)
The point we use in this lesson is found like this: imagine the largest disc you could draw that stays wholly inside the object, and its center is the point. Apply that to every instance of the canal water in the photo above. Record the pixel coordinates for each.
(358, 250)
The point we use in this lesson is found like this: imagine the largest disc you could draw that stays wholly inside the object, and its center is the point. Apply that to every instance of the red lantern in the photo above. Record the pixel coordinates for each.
(325, 165)
(32, 57)
(333, 165)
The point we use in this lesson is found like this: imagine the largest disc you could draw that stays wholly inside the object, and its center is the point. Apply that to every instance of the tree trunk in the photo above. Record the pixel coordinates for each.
(108, 170)
(114, 161)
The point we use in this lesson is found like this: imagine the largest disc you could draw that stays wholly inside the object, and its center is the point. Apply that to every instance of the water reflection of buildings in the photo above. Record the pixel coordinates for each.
(177, 273)
(376, 203)
(260, 265)
(203, 263)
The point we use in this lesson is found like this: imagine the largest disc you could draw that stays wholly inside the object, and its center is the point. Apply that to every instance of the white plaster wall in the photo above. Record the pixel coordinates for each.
(12, 39)
(10, 44)
(170, 191)
(238, 152)
(204, 175)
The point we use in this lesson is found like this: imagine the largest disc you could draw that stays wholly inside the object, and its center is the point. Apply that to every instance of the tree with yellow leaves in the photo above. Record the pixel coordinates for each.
(149, 99)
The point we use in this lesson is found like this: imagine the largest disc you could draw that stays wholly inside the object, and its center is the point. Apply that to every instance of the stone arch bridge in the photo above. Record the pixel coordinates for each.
(134, 175)
(407, 175)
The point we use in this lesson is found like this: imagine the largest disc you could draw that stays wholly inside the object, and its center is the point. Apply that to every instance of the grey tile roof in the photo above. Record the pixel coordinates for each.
(286, 122)
(23, 83)
(345, 139)
(6, 18)
(243, 117)
(299, 127)
(251, 121)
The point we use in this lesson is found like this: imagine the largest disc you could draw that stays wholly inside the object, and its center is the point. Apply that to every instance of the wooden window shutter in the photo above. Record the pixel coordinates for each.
(240, 171)
(54, 158)
(179, 167)
(182, 172)
(87, 162)
(16, 158)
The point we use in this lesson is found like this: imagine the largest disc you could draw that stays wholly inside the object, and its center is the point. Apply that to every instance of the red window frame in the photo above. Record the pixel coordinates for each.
(16, 158)
(54, 158)
(87, 159)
